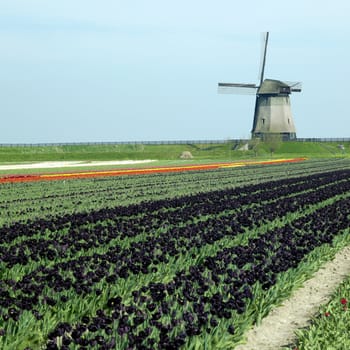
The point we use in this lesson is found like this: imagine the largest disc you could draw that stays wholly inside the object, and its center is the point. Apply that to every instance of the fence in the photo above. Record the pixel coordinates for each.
(181, 142)
(336, 139)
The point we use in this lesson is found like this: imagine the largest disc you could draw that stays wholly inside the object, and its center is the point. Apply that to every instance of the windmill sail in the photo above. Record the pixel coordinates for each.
(237, 88)
(264, 41)
(295, 86)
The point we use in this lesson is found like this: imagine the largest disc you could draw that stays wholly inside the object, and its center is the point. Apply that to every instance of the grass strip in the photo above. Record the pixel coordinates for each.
(330, 328)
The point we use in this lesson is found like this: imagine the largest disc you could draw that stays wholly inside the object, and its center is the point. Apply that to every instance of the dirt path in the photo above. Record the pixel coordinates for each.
(277, 329)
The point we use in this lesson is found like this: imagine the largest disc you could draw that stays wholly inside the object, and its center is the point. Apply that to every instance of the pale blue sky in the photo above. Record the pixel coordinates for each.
(83, 70)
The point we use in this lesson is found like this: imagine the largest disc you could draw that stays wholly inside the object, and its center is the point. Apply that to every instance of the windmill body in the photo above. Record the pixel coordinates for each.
(272, 114)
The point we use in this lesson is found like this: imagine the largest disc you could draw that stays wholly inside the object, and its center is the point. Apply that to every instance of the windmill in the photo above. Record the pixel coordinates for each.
(272, 114)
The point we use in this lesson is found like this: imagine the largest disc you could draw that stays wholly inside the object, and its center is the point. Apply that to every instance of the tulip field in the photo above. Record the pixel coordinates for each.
(168, 260)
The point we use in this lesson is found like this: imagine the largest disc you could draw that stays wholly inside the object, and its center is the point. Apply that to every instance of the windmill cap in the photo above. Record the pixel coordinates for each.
(270, 86)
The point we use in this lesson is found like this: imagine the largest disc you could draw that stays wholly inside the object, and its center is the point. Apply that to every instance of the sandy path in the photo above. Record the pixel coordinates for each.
(277, 329)
(63, 164)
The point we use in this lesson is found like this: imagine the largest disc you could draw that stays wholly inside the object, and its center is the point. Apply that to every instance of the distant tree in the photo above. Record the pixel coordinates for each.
(273, 142)
(255, 144)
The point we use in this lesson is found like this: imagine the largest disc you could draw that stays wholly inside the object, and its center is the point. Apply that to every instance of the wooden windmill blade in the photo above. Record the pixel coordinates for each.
(264, 41)
(247, 89)
(237, 88)
(295, 86)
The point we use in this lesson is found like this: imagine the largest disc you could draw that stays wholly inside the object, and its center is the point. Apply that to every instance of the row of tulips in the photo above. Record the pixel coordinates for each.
(138, 171)
(25, 201)
(80, 238)
(167, 315)
(46, 286)
(181, 208)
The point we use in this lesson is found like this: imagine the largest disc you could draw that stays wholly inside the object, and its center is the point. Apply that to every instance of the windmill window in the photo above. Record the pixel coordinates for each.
(263, 120)
(288, 121)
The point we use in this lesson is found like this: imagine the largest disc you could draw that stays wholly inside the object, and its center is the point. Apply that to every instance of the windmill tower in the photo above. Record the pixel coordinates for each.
(272, 114)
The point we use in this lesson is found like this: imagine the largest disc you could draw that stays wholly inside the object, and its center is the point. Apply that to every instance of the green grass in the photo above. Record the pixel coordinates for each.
(200, 152)
(112, 152)
(330, 330)
(314, 149)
